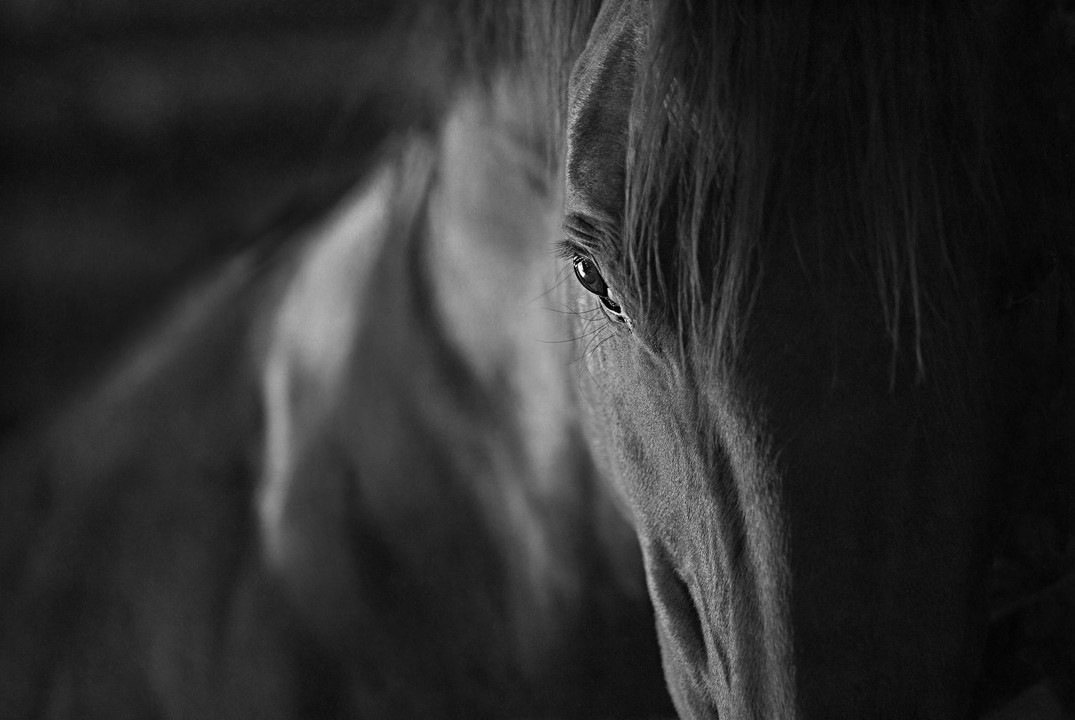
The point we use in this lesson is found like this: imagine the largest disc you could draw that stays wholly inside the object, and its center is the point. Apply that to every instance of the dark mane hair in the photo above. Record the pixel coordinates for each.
(867, 128)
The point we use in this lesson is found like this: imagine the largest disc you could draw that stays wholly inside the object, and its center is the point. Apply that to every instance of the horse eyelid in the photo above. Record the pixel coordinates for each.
(615, 313)
(611, 304)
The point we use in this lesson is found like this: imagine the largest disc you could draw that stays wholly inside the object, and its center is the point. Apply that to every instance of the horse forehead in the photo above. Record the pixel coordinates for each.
(599, 105)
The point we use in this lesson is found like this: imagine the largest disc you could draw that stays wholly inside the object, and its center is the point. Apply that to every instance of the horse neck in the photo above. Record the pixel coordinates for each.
(494, 214)
(415, 334)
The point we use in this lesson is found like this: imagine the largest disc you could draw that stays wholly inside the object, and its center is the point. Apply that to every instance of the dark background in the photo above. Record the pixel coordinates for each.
(143, 140)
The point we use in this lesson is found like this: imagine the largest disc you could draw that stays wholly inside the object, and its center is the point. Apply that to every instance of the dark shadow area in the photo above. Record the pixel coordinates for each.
(142, 142)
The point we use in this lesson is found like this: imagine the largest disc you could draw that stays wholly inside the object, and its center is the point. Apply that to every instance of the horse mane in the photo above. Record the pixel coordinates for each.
(862, 131)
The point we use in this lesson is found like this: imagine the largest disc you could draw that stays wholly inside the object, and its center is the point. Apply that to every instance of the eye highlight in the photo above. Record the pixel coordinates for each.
(589, 277)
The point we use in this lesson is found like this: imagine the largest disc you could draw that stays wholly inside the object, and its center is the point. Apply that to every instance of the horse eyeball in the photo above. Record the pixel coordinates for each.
(590, 277)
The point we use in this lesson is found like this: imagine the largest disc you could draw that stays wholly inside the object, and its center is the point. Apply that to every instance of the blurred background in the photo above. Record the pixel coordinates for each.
(143, 140)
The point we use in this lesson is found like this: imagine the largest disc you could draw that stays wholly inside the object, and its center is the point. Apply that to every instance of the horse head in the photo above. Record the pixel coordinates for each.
(789, 238)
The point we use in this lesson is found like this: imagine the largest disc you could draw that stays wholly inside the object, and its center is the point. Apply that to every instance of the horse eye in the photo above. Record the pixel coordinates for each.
(589, 277)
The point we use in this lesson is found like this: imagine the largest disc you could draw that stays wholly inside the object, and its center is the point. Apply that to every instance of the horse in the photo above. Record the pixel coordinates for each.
(823, 320)
(824, 253)
(342, 477)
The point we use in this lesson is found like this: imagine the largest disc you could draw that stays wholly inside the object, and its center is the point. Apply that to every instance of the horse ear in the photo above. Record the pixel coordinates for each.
(601, 94)
(304, 499)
